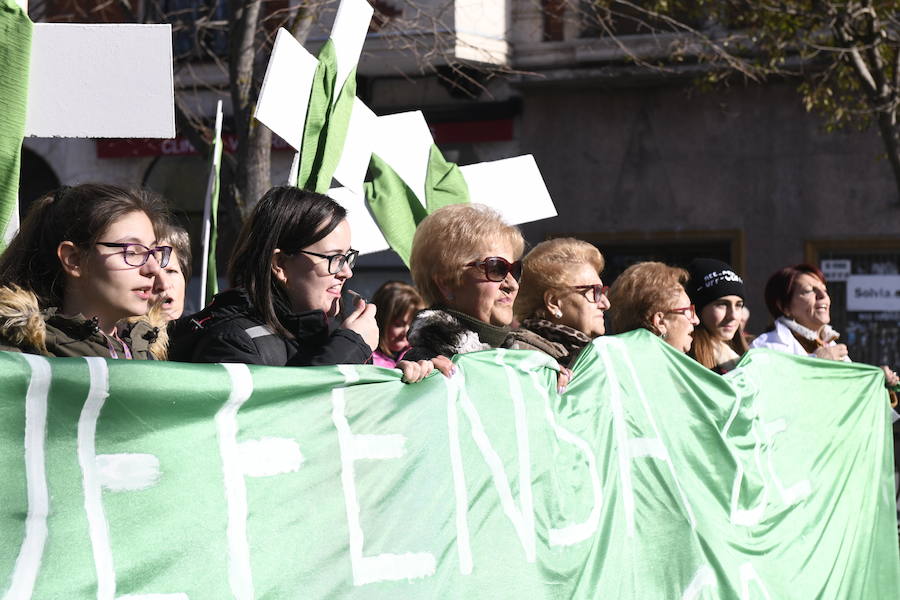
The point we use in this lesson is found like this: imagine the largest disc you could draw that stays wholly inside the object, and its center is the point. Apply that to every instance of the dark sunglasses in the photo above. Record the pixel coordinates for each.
(496, 268)
(598, 291)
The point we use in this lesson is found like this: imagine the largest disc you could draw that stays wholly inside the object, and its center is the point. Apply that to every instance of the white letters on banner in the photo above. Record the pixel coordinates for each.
(354, 447)
(629, 449)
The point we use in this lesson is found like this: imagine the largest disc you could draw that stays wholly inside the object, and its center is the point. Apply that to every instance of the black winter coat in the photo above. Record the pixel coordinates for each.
(230, 330)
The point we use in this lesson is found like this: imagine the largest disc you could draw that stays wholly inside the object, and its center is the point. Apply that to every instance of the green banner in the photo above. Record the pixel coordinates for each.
(15, 50)
(651, 477)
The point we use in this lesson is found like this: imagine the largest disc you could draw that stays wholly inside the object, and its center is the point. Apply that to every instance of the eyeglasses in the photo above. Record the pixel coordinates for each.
(687, 311)
(496, 268)
(599, 290)
(336, 262)
(137, 255)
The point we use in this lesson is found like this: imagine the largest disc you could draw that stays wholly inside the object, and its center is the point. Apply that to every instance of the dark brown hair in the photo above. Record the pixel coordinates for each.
(780, 286)
(393, 300)
(285, 218)
(79, 214)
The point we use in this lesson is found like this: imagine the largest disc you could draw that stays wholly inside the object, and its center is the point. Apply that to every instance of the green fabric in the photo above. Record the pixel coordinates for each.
(327, 120)
(212, 274)
(397, 209)
(15, 49)
(444, 182)
(649, 478)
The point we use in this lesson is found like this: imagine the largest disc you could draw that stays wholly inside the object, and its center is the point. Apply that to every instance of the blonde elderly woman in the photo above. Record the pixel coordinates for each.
(651, 295)
(561, 299)
(465, 264)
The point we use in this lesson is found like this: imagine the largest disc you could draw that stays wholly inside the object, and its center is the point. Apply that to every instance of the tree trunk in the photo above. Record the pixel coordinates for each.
(891, 146)
(254, 140)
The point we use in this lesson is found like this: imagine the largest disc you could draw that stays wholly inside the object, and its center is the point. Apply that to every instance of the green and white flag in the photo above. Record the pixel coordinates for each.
(651, 477)
(15, 49)
(209, 276)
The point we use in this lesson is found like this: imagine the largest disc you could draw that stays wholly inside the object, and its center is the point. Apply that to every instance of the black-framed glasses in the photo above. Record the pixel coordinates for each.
(496, 268)
(336, 262)
(688, 311)
(137, 255)
(598, 290)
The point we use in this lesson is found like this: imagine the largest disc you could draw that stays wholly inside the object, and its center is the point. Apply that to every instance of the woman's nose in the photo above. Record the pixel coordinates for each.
(151, 268)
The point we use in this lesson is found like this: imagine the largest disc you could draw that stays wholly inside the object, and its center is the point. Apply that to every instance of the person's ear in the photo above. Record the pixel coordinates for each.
(278, 271)
(444, 288)
(71, 259)
(551, 303)
(659, 324)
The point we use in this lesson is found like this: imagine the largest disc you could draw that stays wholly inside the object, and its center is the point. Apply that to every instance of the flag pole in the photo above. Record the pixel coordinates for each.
(209, 285)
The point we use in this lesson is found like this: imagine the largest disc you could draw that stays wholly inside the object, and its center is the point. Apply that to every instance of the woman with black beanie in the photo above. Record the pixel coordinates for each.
(717, 293)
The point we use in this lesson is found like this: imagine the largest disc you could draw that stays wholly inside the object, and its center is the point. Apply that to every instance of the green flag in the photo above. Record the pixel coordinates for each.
(209, 276)
(15, 49)
(397, 209)
(327, 120)
(651, 477)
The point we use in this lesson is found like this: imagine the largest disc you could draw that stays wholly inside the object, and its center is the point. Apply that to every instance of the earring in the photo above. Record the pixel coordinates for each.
(557, 313)
(664, 335)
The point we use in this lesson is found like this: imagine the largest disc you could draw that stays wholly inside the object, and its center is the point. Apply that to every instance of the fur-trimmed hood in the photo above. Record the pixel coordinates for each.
(25, 327)
(440, 331)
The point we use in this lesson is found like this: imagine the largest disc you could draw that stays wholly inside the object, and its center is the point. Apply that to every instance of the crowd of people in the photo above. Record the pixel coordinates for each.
(98, 270)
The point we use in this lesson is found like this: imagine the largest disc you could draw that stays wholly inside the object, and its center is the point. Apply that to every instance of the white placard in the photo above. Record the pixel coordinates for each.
(348, 35)
(836, 269)
(101, 81)
(361, 131)
(512, 186)
(284, 95)
(364, 233)
(875, 293)
(404, 142)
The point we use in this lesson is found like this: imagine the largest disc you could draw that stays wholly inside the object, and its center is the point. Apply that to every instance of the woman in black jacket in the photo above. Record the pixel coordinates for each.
(287, 270)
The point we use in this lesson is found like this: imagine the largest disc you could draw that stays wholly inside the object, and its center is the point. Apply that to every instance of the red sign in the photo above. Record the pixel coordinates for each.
(459, 132)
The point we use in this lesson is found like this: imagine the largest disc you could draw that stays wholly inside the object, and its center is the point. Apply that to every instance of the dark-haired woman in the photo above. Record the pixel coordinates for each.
(287, 270)
(799, 303)
(85, 260)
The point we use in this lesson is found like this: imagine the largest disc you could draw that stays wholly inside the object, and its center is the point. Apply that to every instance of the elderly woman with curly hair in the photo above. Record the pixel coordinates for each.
(651, 295)
(465, 263)
(562, 300)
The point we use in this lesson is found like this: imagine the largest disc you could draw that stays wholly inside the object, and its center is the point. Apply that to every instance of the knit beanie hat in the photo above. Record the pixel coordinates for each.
(712, 279)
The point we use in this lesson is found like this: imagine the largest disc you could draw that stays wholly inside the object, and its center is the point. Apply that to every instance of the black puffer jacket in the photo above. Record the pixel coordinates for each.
(230, 330)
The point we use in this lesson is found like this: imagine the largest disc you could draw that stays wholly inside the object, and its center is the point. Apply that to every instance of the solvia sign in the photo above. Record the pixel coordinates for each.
(873, 293)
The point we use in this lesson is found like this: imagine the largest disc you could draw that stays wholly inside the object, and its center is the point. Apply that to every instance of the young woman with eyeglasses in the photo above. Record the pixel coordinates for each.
(717, 293)
(85, 260)
(562, 300)
(651, 295)
(287, 269)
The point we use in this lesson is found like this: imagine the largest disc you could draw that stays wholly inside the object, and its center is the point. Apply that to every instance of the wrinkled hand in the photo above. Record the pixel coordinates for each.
(562, 379)
(416, 371)
(362, 321)
(837, 352)
(890, 377)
